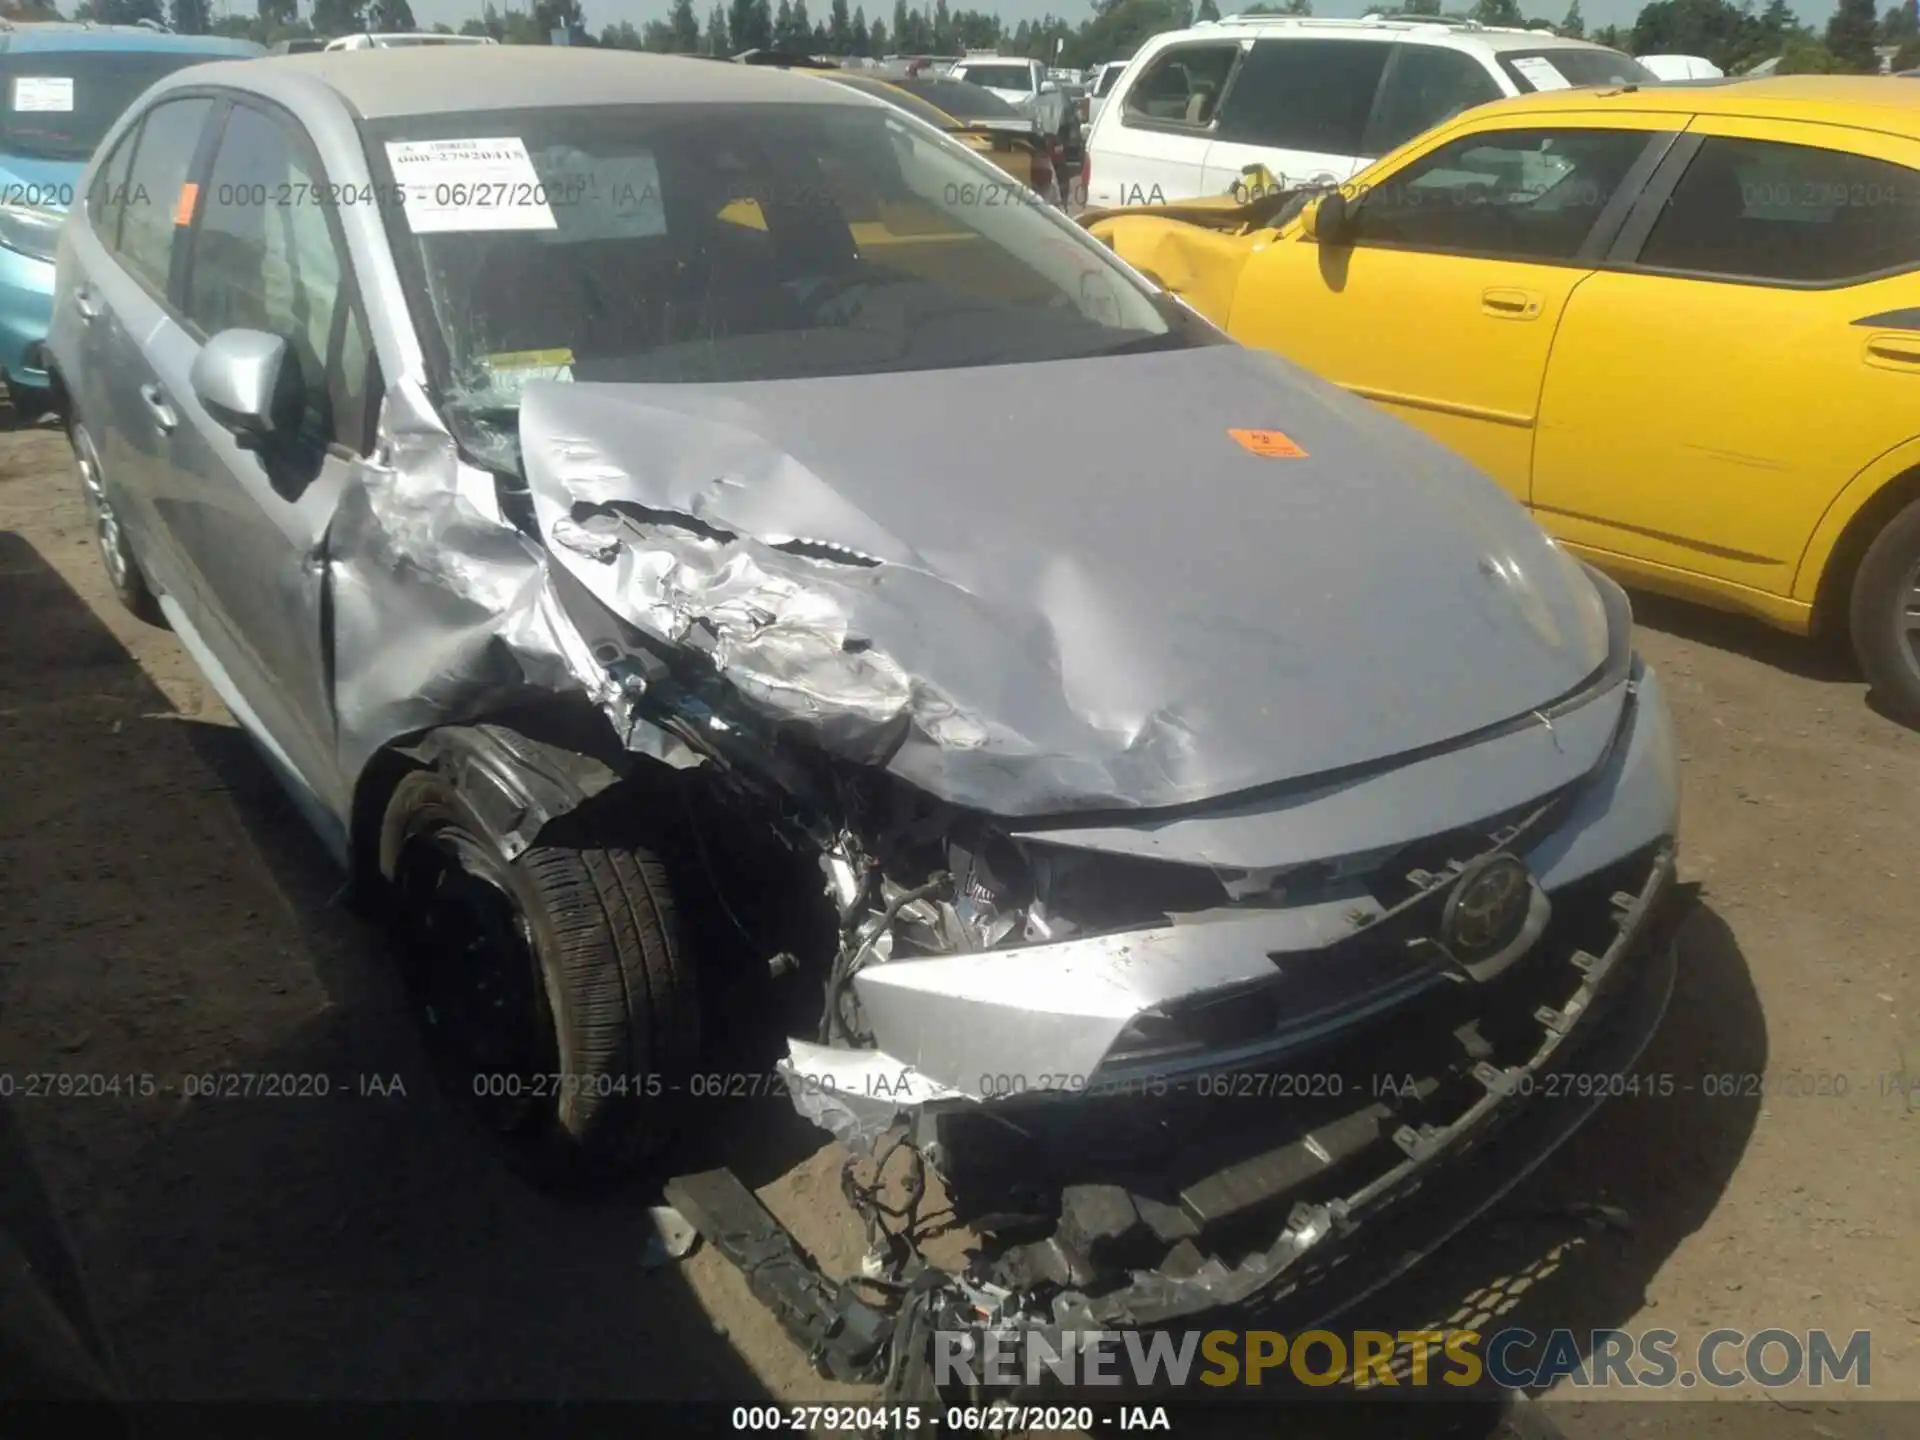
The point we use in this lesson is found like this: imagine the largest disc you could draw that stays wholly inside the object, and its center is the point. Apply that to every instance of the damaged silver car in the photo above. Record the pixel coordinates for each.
(1186, 850)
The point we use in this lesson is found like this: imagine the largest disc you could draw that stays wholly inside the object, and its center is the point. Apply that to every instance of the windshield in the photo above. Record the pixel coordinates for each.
(963, 100)
(1104, 83)
(999, 77)
(60, 102)
(685, 244)
(1565, 66)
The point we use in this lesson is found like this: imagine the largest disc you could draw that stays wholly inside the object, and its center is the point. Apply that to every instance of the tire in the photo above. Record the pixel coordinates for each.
(1884, 615)
(568, 961)
(129, 582)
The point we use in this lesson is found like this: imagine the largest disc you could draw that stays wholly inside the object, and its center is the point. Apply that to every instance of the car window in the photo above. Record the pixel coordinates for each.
(997, 77)
(59, 104)
(1565, 66)
(687, 244)
(1103, 85)
(1518, 194)
(1312, 95)
(960, 99)
(266, 257)
(1762, 210)
(1425, 85)
(156, 183)
(1182, 84)
(108, 198)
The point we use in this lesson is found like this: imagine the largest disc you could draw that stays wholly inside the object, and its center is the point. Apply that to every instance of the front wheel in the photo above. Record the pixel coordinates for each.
(1884, 616)
(554, 989)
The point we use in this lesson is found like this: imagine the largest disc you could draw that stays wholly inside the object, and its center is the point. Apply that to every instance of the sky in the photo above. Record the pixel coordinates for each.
(602, 13)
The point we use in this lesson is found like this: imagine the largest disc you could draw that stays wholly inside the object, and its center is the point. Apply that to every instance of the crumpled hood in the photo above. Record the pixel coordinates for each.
(1039, 589)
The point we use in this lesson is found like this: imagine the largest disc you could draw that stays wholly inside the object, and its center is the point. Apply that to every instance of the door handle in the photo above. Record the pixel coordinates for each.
(1506, 304)
(157, 406)
(84, 302)
(1894, 351)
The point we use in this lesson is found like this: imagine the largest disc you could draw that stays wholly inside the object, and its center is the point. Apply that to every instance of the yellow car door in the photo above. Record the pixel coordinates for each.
(1440, 298)
(1752, 346)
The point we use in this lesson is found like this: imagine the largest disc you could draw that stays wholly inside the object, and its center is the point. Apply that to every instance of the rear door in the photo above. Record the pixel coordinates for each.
(1443, 306)
(1298, 106)
(124, 303)
(1152, 140)
(1752, 345)
(267, 254)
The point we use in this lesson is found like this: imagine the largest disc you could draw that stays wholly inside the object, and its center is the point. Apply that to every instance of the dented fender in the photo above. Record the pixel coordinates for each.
(1201, 266)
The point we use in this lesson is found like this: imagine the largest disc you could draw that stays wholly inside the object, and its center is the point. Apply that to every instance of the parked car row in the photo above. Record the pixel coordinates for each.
(559, 523)
(1314, 101)
(1680, 323)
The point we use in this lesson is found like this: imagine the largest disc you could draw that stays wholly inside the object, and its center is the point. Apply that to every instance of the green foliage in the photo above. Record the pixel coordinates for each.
(1907, 57)
(1804, 55)
(1498, 12)
(192, 17)
(1575, 24)
(1851, 34)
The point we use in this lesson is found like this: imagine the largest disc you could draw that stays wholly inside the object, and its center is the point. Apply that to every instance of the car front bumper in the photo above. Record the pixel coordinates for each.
(26, 311)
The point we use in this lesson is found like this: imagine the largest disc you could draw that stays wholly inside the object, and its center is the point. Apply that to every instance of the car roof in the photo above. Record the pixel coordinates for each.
(29, 38)
(1417, 29)
(440, 79)
(1869, 101)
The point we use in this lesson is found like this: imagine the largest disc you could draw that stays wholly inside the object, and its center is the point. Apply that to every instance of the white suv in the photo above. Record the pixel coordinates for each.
(1311, 100)
(1024, 85)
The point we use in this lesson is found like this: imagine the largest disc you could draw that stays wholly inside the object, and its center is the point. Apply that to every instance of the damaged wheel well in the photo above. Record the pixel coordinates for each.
(522, 771)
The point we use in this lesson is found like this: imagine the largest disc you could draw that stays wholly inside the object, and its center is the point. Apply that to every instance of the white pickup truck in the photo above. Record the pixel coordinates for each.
(1023, 84)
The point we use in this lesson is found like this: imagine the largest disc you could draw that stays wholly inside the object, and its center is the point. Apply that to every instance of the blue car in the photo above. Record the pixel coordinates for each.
(62, 87)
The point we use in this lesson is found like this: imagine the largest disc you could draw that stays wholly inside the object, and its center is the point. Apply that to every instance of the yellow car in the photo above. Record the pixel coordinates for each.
(1680, 323)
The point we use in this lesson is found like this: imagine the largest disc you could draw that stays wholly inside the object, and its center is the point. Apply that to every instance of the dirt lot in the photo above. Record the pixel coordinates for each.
(162, 912)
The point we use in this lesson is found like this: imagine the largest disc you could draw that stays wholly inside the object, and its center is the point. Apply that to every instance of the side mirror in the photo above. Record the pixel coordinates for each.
(1328, 220)
(247, 380)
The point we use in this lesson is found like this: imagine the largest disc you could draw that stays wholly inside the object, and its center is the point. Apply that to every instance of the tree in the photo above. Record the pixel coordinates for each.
(685, 27)
(749, 25)
(1299, 7)
(1907, 57)
(1613, 37)
(1207, 11)
(192, 17)
(1574, 26)
(1498, 12)
(714, 42)
(1712, 28)
(391, 15)
(802, 26)
(1900, 24)
(877, 37)
(839, 29)
(1850, 36)
(622, 36)
(783, 26)
(1805, 55)
(339, 17)
(943, 41)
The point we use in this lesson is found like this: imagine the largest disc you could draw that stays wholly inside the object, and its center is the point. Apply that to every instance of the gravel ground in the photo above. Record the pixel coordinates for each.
(162, 912)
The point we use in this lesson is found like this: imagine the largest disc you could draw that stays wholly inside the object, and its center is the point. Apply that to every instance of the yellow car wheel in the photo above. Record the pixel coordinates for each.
(1885, 615)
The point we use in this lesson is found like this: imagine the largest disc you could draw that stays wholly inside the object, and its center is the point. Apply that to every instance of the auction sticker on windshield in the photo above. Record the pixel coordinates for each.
(42, 93)
(1542, 73)
(469, 185)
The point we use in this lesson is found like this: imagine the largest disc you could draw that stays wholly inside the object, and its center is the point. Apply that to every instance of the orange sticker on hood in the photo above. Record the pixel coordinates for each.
(1269, 444)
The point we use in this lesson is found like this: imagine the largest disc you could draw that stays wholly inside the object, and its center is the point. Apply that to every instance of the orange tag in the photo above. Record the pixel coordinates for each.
(1268, 444)
(183, 212)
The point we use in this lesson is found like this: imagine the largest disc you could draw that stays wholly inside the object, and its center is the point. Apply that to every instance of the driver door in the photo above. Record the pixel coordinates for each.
(1442, 302)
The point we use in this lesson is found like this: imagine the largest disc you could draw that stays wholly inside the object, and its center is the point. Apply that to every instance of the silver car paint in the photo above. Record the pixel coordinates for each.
(1374, 599)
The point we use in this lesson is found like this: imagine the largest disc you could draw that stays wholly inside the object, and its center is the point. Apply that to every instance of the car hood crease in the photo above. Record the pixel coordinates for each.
(1065, 587)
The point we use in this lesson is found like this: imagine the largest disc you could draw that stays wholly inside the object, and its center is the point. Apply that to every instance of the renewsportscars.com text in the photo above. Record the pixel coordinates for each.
(1512, 1358)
